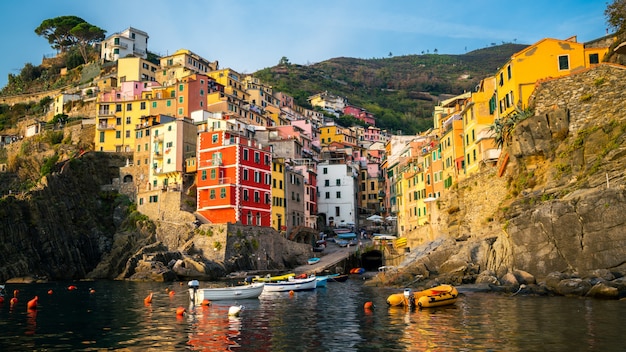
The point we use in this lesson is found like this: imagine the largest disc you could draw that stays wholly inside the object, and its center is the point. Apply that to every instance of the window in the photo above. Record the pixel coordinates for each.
(337, 211)
(129, 107)
(327, 183)
(508, 71)
(203, 176)
(154, 104)
(212, 194)
(212, 174)
(594, 59)
(142, 106)
(223, 193)
(180, 99)
(563, 62)
(214, 138)
(257, 198)
(245, 154)
(168, 103)
(245, 194)
(118, 107)
(181, 87)
(338, 182)
(338, 194)
(245, 175)
(327, 195)
(325, 170)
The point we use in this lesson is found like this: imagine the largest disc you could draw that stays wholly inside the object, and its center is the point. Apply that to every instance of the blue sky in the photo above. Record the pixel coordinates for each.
(248, 35)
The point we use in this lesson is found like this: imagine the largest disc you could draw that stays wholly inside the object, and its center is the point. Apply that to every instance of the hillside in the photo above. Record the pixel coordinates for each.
(400, 91)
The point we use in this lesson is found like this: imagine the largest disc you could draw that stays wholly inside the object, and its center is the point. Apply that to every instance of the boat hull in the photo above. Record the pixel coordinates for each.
(291, 285)
(438, 296)
(198, 295)
(273, 278)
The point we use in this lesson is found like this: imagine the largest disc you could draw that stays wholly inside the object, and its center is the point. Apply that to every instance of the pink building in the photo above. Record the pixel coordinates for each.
(360, 114)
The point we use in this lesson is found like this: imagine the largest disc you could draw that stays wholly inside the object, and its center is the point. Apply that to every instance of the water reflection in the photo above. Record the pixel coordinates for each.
(330, 319)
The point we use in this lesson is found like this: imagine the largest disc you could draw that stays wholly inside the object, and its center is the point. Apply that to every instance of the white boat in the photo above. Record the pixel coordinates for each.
(310, 283)
(312, 261)
(198, 295)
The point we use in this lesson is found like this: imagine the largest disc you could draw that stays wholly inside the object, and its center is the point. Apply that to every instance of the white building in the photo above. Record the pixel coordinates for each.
(337, 201)
(131, 42)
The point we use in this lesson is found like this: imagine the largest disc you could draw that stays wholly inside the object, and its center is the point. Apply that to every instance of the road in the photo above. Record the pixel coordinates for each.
(331, 255)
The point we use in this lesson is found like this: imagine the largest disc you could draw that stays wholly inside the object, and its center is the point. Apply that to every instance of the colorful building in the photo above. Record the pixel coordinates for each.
(233, 178)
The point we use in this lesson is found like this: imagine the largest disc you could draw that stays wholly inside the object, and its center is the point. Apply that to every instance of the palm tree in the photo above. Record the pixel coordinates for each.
(502, 129)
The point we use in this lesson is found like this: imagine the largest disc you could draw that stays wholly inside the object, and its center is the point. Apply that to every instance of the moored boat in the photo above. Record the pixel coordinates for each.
(441, 295)
(338, 278)
(272, 278)
(321, 281)
(312, 261)
(310, 283)
(198, 295)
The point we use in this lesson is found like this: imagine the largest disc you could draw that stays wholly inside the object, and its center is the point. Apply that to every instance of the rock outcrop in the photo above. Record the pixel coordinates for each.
(555, 219)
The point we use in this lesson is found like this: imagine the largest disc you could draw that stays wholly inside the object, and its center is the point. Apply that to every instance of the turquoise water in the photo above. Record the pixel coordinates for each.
(114, 317)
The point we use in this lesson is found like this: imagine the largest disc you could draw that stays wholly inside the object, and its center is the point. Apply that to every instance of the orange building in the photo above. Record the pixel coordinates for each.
(233, 179)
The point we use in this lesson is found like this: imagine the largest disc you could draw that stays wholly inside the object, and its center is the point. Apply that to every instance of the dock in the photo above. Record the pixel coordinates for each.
(331, 256)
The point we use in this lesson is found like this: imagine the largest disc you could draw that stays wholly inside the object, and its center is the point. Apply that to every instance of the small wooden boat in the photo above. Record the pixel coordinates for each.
(338, 278)
(441, 295)
(198, 295)
(312, 261)
(272, 278)
(292, 284)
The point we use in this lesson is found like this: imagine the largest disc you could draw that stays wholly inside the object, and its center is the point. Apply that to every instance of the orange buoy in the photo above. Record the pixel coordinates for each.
(206, 302)
(368, 305)
(15, 292)
(92, 291)
(291, 293)
(72, 287)
(49, 292)
(148, 299)
(172, 293)
(32, 304)
(13, 301)
(181, 311)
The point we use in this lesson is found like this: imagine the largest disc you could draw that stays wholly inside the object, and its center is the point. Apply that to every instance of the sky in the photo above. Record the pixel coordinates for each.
(249, 35)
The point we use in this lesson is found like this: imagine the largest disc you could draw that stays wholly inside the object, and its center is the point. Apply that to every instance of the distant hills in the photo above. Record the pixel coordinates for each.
(400, 91)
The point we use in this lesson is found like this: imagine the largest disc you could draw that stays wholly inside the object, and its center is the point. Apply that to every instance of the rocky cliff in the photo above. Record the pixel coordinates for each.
(556, 214)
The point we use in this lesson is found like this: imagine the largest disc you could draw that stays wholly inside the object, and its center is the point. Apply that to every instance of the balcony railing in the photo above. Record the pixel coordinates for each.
(104, 126)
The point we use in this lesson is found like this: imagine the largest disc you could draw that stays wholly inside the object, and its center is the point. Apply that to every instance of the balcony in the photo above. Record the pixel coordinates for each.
(105, 127)
(106, 112)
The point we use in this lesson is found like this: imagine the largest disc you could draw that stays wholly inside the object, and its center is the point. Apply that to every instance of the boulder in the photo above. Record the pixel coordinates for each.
(524, 277)
(509, 279)
(573, 287)
(601, 290)
(487, 277)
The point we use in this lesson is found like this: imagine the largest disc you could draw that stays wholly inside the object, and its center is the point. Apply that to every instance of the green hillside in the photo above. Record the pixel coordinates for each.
(400, 91)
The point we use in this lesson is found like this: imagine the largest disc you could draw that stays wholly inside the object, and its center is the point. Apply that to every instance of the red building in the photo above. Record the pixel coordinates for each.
(360, 114)
(233, 179)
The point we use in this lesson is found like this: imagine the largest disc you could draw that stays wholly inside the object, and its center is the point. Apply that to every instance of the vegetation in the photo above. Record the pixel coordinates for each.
(67, 32)
(400, 92)
(503, 128)
(616, 15)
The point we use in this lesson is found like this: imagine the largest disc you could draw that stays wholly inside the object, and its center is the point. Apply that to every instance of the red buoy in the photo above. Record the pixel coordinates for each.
(72, 287)
(32, 304)
(206, 302)
(13, 301)
(148, 299)
(181, 311)
(368, 305)
(172, 293)
(49, 292)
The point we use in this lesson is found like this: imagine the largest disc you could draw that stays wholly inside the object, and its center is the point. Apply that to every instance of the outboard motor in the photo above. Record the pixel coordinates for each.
(409, 297)
(193, 285)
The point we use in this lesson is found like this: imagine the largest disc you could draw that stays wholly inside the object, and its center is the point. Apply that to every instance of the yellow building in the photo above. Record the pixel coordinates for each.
(118, 113)
(278, 194)
(451, 138)
(548, 58)
(333, 133)
(181, 64)
(478, 115)
(136, 69)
